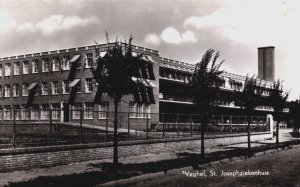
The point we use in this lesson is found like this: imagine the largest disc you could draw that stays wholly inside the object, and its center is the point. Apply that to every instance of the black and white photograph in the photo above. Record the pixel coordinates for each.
(149, 93)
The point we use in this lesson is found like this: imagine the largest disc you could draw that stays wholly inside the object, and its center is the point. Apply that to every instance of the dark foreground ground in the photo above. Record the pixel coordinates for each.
(283, 169)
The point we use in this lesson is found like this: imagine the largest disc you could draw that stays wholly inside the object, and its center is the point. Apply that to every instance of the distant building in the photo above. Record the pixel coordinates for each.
(62, 80)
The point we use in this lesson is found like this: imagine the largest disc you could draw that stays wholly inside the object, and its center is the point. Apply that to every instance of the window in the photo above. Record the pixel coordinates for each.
(7, 113)
(147, 111)
(55, 110)
(77, 63)
(24, 89)
(103, 110)
(16, 90)
(132, 109)
(65, 62)
(147, 73)
(88, 85)
(55, 88)
(34, 112)
(235, 85)
(45, 65)
(266, 92)
(17, 114)
(35, 67)
(222, 83)
(89, 60)
(25, 67)
(7, 70)
(1, 70)
(78, 87)
(138, 110)
(76, 110)
(25, 113)
(1, 113)
(55, 64)
(66, 88)
(44, 111)
(45, 88)
(7, 90)
(88, 110)
(16, 68)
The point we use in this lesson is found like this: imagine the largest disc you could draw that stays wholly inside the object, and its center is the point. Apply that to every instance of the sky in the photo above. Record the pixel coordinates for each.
(179, 29)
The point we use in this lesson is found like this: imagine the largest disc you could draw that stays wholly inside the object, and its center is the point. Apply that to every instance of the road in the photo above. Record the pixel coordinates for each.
(282, 167)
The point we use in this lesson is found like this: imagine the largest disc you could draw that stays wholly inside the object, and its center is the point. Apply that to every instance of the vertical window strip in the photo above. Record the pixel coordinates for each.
(35, 66)
(24, 89)
(76, 110)
(55, 107)
(88, 110)
(16, 68)
(44, 111)
(103, 110)
(25, 67)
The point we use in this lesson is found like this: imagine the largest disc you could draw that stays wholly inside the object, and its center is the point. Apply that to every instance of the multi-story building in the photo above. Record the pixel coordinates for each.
(61, 80)
(175, 92)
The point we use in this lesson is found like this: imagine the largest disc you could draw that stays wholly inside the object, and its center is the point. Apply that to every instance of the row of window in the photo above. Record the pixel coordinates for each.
(172, 74)
(176, 75)
(227, 102)
(265, 107)
(42, 112)
(55, 88)
(54, 65)
(236, 86)
(88, 110)
(138, 110)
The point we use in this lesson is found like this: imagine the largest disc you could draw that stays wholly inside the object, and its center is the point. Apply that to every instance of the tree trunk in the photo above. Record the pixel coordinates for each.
(249, 145)
(203, 124)
(115, 156)
(277, 133)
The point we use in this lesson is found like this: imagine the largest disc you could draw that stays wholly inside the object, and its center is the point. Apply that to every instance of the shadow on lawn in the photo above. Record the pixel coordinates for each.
(108, 173)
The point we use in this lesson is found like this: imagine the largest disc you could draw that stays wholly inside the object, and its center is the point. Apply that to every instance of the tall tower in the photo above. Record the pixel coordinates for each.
(266, 64)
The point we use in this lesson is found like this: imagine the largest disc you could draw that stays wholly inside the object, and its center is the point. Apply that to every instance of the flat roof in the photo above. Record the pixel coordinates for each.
(265, 47)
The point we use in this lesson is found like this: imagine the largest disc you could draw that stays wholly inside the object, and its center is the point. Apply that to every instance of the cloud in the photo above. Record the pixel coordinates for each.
(152, 39)
(172, 36)
(26, 27)
(251, 22)
(46, 26)
(60, 22)
(259, 23)
(7, 23)
(189, 36)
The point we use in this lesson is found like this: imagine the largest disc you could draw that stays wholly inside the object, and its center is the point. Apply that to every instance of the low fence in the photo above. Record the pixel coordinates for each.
(31, 127)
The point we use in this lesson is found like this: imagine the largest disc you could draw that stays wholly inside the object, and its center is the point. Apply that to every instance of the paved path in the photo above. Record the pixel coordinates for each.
(98, 127)
(84, 167)
(277, 169)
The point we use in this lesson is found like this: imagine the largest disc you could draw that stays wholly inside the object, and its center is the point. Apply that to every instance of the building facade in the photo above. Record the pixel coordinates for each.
(61, 80)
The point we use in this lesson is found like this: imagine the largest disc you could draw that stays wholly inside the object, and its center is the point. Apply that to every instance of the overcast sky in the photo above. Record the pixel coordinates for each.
(180, 30)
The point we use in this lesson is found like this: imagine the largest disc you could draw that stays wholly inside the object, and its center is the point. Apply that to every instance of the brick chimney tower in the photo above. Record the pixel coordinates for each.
(266, 64)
